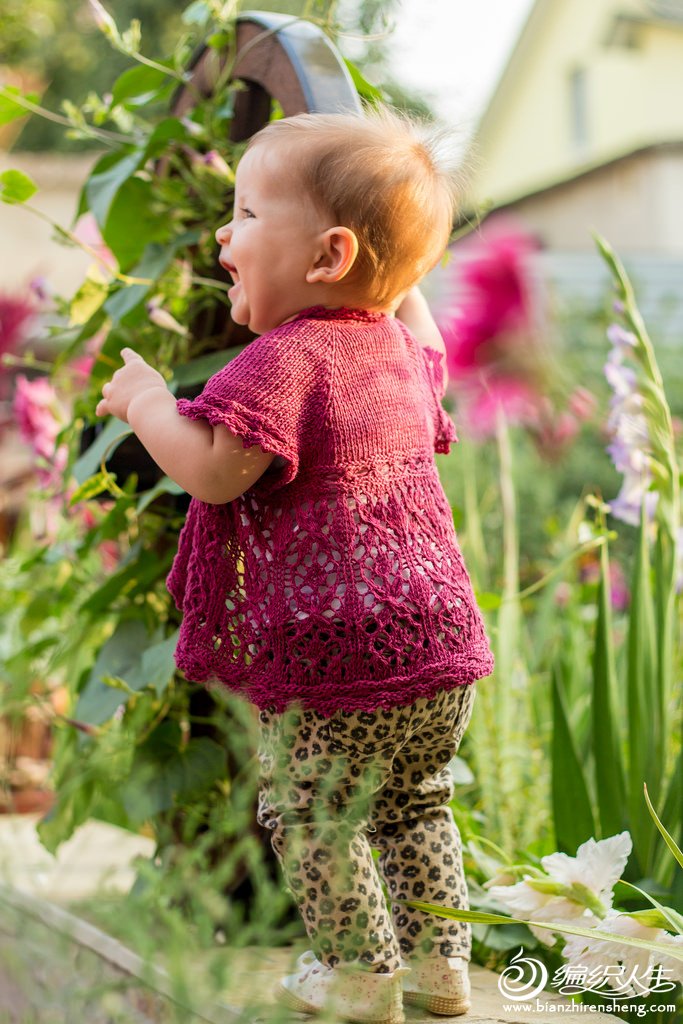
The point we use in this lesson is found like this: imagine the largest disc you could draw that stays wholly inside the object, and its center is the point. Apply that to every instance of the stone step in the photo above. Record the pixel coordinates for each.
(57, 967)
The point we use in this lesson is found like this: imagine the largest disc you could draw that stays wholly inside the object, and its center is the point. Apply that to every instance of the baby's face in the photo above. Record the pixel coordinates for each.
(271, 242)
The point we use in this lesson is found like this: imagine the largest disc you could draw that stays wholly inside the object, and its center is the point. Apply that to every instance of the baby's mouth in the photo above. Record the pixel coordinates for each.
(230, 269)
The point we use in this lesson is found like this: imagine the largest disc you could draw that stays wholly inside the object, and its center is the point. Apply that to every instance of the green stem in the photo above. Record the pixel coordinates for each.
(589, 545)
(209, 282)
(510, 543)
(34, 108)
(125, 278)
(183, 77)
(476, 545)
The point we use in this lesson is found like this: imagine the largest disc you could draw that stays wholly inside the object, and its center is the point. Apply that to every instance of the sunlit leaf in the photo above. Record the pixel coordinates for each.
(10, 110)
(16, 187)
(140, 83)
(88, 298)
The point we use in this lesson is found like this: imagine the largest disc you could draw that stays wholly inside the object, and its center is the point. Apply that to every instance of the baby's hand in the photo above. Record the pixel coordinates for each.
(126, 384)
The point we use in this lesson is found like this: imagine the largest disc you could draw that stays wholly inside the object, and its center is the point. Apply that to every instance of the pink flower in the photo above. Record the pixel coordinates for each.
(513, 397)
(582, 403)
(16, 314)
(619, 593)
(495, 302)
(40, 418)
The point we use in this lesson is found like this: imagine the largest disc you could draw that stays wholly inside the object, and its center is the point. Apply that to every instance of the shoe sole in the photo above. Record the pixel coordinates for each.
(293, 1002)
(443, 1005)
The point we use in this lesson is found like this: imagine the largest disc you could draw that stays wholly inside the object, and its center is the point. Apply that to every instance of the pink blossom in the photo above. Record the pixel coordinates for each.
(495, 304)
(213, 161)
(619, 593)
(582, 403)
(40, 418)
(553, 430)
(513, 397)
(16, 314)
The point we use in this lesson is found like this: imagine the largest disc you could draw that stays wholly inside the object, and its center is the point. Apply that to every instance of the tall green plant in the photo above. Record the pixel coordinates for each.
(635, 707)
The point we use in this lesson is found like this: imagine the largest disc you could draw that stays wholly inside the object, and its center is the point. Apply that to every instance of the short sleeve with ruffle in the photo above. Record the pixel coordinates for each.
(433, 362)
(273, 394)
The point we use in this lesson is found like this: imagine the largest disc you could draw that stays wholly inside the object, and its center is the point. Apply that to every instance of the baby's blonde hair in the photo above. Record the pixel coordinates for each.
(386, 177)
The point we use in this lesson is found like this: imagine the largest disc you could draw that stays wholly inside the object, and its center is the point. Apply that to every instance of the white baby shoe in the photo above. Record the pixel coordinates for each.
(439, 984)
(359, 996)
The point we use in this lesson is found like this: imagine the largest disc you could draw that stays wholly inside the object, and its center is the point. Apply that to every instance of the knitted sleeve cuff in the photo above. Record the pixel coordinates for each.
(253, 428)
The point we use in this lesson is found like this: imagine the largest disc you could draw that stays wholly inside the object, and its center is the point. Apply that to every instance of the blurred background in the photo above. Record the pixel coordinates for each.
(566, 122)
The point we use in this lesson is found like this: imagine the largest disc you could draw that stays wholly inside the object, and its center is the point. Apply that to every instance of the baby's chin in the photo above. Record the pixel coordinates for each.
(238, 317)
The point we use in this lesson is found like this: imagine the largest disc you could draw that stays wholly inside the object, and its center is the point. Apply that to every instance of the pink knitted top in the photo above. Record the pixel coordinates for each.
(336, 580)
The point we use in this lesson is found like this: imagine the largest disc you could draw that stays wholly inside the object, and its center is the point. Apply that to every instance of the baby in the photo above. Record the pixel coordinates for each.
(318, 571)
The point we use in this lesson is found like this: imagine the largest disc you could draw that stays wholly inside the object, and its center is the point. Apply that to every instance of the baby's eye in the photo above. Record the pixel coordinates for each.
(247, 212)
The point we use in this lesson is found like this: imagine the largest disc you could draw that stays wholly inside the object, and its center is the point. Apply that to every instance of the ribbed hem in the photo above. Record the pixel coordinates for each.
(360, 695)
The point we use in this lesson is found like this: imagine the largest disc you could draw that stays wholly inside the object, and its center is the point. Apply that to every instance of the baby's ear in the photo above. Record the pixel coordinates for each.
(336, 254)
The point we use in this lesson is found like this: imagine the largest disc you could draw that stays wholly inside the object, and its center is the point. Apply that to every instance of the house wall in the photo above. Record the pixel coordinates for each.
(524, 142)
(636, 203)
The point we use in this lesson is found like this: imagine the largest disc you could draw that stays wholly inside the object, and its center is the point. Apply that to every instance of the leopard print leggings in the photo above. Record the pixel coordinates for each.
(332, 788)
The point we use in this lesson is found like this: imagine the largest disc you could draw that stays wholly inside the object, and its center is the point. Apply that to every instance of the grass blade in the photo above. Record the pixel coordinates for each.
(572, 811)
(481, 917)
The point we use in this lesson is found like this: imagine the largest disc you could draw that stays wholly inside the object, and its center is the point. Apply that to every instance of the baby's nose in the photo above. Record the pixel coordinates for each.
(223, 234)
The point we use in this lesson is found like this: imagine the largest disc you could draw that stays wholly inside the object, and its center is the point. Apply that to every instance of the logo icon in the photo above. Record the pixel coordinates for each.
(523, 978)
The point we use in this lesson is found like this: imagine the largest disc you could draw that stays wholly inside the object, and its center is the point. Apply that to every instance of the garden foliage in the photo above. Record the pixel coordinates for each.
(585, 705)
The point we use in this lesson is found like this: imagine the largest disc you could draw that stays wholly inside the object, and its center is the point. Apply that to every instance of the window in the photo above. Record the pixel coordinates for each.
(578, 108)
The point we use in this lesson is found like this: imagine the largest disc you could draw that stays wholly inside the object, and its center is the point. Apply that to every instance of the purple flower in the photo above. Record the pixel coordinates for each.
(215, 162)
(629, 448)
(621, 379)
(620, 338)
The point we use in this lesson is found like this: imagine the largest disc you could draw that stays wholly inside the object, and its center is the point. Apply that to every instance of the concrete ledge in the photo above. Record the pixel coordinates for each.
(54, 961)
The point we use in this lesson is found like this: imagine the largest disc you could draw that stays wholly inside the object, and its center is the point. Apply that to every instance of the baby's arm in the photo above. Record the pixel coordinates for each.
(414, 313)
(207, 461)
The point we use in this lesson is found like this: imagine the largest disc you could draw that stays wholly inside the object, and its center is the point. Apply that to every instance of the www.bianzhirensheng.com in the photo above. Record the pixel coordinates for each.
(638, 1010)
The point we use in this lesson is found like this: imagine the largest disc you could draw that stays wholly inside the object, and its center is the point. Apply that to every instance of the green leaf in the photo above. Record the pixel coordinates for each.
(156, 667)
(170, 129)
(133, 222)
(105, 444)
(644, 724)
(488, 602)
(163, 772)
(130, 661)
(198, 13)
(90, 488)
(165, 486)
(88, 298)
(476, 916)
(119, 657)
(199, 370)
(663, 917)
(17, 187)
(139, 83)
(668, 838)
(103, 185)
(152, 265)
(511, 937)
(572, 812)
(10, 110)
(363, 87)
(658, 919)
(142, 569)
(609, 773)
